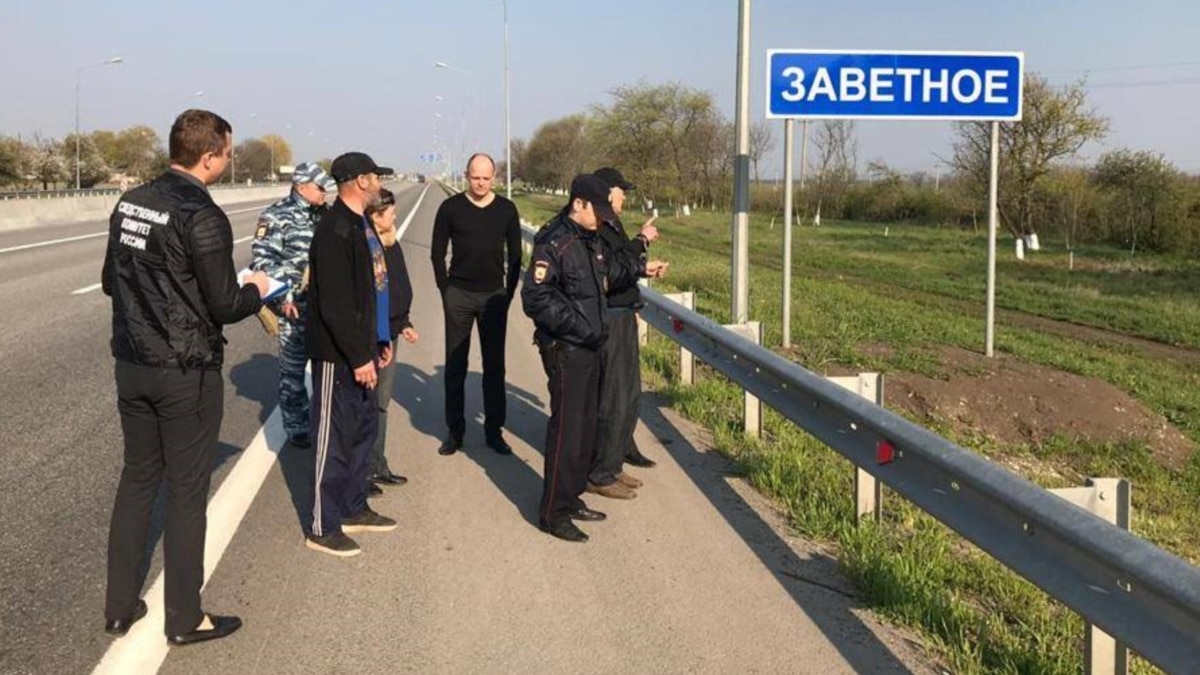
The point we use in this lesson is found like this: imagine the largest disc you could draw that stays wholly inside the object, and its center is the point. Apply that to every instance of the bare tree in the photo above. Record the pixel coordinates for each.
(1056, 123)
(762, 142)
(836, 149)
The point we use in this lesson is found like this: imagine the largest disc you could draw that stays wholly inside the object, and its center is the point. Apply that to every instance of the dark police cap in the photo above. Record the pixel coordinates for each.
(351, 165)
(589, 188)
(614, 178)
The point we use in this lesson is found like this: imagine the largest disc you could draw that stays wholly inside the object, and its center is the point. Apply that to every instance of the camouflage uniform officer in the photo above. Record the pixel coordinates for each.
(280, 248)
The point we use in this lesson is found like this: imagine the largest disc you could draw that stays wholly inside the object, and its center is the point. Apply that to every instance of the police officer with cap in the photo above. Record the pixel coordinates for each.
(280, 249)
(563, 293)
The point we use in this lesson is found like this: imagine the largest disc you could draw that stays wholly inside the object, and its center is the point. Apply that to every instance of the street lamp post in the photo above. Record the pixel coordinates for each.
(78, 72)
(507, 118)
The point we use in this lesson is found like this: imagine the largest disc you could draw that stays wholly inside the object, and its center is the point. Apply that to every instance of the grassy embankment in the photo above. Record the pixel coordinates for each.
(916, 291)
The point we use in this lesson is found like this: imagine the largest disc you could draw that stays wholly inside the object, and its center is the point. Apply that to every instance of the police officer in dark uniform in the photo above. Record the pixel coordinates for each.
(564, 295)
(169, 270)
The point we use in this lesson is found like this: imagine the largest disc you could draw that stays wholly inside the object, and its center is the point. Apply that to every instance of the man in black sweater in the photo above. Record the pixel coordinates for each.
(349, 336)
(484, 232)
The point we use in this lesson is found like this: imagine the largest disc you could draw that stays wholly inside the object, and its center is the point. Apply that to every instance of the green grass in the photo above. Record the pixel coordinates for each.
(917, 290)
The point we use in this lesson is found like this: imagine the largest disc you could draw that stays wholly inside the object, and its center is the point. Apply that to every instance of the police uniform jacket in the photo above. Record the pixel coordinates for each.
(341, 290)
(282, 240)
(565, 285)
(169, 270)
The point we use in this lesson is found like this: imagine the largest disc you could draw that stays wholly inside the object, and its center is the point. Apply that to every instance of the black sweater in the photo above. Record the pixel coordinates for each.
(341, 290)
(479, 237)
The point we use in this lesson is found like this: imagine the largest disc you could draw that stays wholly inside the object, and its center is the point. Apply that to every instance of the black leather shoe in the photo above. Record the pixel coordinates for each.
(119, 627)
(223, 626)
(587, 514)
(564, 530)
(636, 458)
(497, 443)
(450, 446)
(301, 441)
(373, 490)
(388, 478)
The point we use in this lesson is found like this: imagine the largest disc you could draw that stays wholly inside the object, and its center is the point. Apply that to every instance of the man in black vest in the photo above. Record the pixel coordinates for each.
(169, 270)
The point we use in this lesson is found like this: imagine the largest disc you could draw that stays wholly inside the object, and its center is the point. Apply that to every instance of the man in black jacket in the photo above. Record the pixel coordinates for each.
(169, 270)
(484, 232)
(620, 369)
(349, 336)
(564, 295)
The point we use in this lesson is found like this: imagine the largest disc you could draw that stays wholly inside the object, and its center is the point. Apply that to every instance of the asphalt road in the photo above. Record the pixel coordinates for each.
(696, 575)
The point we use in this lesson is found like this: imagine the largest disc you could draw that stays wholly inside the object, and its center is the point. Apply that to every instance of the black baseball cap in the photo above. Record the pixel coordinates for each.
(351, 165)
(592, 189)
(614, 178)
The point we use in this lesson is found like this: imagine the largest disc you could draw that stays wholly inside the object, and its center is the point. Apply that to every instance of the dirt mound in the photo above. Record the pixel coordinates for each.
(1014, 401)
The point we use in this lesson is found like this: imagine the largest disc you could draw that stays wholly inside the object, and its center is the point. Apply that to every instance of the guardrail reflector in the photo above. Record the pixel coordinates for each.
(885, 452)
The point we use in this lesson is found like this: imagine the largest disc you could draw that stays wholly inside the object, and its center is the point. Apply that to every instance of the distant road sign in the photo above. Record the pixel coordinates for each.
(827, 84)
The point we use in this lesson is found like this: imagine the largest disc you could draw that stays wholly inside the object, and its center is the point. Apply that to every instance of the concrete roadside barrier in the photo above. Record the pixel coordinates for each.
(19, 214)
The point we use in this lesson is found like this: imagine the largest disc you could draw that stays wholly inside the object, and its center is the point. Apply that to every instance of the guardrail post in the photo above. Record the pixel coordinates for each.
(687, 360)
(752, 408)
(868, 494)
(1108, 498)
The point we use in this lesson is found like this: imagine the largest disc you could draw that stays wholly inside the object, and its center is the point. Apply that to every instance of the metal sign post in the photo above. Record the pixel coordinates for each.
(989, 337)
(740, 265)
(789, 130)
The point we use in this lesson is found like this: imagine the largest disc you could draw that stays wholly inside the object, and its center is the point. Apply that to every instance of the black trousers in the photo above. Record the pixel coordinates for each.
(464, 309)
(620, 388)
(345, 418)
(573, 380)
(171, 420)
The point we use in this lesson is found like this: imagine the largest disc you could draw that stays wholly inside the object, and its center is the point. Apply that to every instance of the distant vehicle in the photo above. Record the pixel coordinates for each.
(420, 178)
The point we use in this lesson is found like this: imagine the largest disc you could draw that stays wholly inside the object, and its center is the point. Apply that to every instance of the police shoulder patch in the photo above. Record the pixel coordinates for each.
(540, 269)
(261, 231)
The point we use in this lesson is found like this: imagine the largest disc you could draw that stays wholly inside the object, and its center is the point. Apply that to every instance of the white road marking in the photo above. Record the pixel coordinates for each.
(144, 648)
(404, 226)
(65, 240)
(86, 289)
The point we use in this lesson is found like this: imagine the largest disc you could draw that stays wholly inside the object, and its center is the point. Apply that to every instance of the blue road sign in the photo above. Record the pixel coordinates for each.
(826, 84)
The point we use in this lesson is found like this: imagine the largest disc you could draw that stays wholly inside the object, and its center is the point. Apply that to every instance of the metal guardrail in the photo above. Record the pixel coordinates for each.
(1138, 593)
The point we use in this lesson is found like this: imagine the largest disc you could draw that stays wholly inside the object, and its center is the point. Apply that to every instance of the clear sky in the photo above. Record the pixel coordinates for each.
(358, 74)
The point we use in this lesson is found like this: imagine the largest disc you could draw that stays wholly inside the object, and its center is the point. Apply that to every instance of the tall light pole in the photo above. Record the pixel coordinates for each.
(740, 265)
(507, 117)
(78, 73)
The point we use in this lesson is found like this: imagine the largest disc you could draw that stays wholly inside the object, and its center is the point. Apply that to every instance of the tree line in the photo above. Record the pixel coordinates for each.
(129, 156)
(680, 148)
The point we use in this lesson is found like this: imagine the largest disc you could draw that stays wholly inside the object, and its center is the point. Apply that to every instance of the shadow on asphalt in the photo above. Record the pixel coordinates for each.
(815, 584)
(422, 397)
(257, 379)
